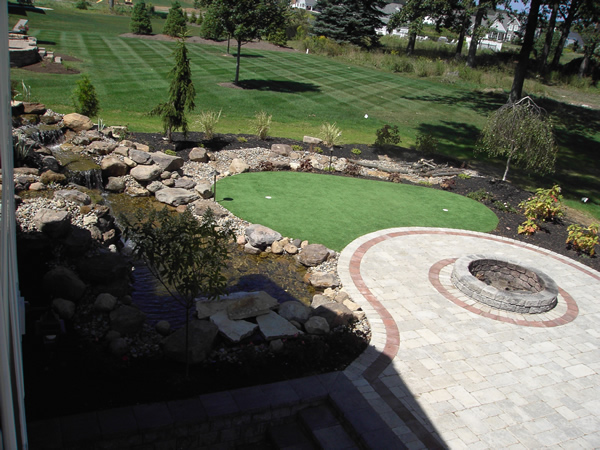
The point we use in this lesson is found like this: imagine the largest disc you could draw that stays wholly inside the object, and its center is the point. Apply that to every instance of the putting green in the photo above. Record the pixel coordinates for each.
(333, 210)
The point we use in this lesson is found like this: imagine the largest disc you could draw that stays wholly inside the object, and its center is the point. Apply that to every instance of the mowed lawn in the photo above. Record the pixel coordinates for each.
(300, 91)
(333, 210)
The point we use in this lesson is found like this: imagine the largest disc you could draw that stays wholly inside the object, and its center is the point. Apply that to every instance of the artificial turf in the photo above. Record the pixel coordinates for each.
(335, 210)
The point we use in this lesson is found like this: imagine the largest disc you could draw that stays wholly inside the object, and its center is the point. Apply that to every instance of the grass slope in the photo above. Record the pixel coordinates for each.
(300, 91)
(334, 211)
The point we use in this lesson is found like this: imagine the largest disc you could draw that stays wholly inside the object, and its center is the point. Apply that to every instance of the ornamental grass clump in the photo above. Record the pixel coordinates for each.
(546, 205)
(330, 134)
(207, 120)
(262, 124)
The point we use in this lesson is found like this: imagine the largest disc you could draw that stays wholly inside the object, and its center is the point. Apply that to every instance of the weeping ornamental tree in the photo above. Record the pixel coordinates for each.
(181, 93)
(521, 133)
(184, 254)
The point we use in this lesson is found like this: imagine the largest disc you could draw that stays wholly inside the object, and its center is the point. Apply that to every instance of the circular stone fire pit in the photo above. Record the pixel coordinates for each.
(504, 284)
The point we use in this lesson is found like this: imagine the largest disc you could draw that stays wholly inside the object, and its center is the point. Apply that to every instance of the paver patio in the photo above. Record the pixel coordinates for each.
(443, 371)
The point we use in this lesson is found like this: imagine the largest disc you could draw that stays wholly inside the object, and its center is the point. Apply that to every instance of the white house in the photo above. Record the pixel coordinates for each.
(309, 5)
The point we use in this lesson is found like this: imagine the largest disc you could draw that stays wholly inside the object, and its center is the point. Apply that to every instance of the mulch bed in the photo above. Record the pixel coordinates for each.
(54, 68)
(553, 235)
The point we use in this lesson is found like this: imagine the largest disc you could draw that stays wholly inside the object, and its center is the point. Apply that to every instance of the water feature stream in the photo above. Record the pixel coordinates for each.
(280, 276)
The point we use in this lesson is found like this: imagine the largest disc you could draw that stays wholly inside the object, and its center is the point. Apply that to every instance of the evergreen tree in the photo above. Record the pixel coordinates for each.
(181, 93)
(140, 19)
(175, 25)
(85, 99)
(351, 21)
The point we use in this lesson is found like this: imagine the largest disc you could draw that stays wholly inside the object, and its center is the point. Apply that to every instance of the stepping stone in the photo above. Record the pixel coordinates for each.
(273, 326)
(234, 330)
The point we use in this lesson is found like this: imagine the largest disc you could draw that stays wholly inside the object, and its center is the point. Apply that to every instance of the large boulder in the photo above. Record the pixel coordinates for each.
(50, 176)
(335, 313)
(175, 196)
(199, 154)
(281, 149)
(127, 320)
(115, 184)
(105, 302)
(113, 167)
(185, 183)
(140, 157)
(238, 166)
(77, 122)
(313, 255)
(204, 189)
(73, 195)
(259, 236)
(62, 282)
(294, 310)
(167, 162)
(34, 108)
(146, 174)
(101, 147)
(55, 224)
(64, 308)
(201, 337)
(317, 325)
(202, 205)
(324, 280)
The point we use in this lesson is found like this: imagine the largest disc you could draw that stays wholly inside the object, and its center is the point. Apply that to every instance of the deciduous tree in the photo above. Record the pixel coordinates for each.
(185, 255)
(246, 20)
(516, 91)
(521, 133)
(181, 93)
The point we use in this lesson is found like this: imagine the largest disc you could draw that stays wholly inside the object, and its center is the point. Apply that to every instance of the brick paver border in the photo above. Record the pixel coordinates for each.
(392, 338)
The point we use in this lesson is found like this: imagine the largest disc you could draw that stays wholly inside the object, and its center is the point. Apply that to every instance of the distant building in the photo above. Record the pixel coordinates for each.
(309, 5)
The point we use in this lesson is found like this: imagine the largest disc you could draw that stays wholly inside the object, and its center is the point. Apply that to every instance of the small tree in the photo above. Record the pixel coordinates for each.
(175, 25)
(185, 255)
(85, 99)
(181, 94)
(140, 19)
(522, 134)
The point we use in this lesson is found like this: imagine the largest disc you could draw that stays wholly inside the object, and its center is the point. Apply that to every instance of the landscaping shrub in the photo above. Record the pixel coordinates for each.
(583, 240)
(480, 195)
(297, 148)
(426, 143)
(81, 4)
(387, 135)
(242, 139)
(544, 206)
(356, 152)
(85, 99)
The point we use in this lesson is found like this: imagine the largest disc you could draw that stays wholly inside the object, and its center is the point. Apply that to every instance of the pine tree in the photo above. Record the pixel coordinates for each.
(175, 25)
(85, 99)
(140, 19)
(351, 21)
(181, 94)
